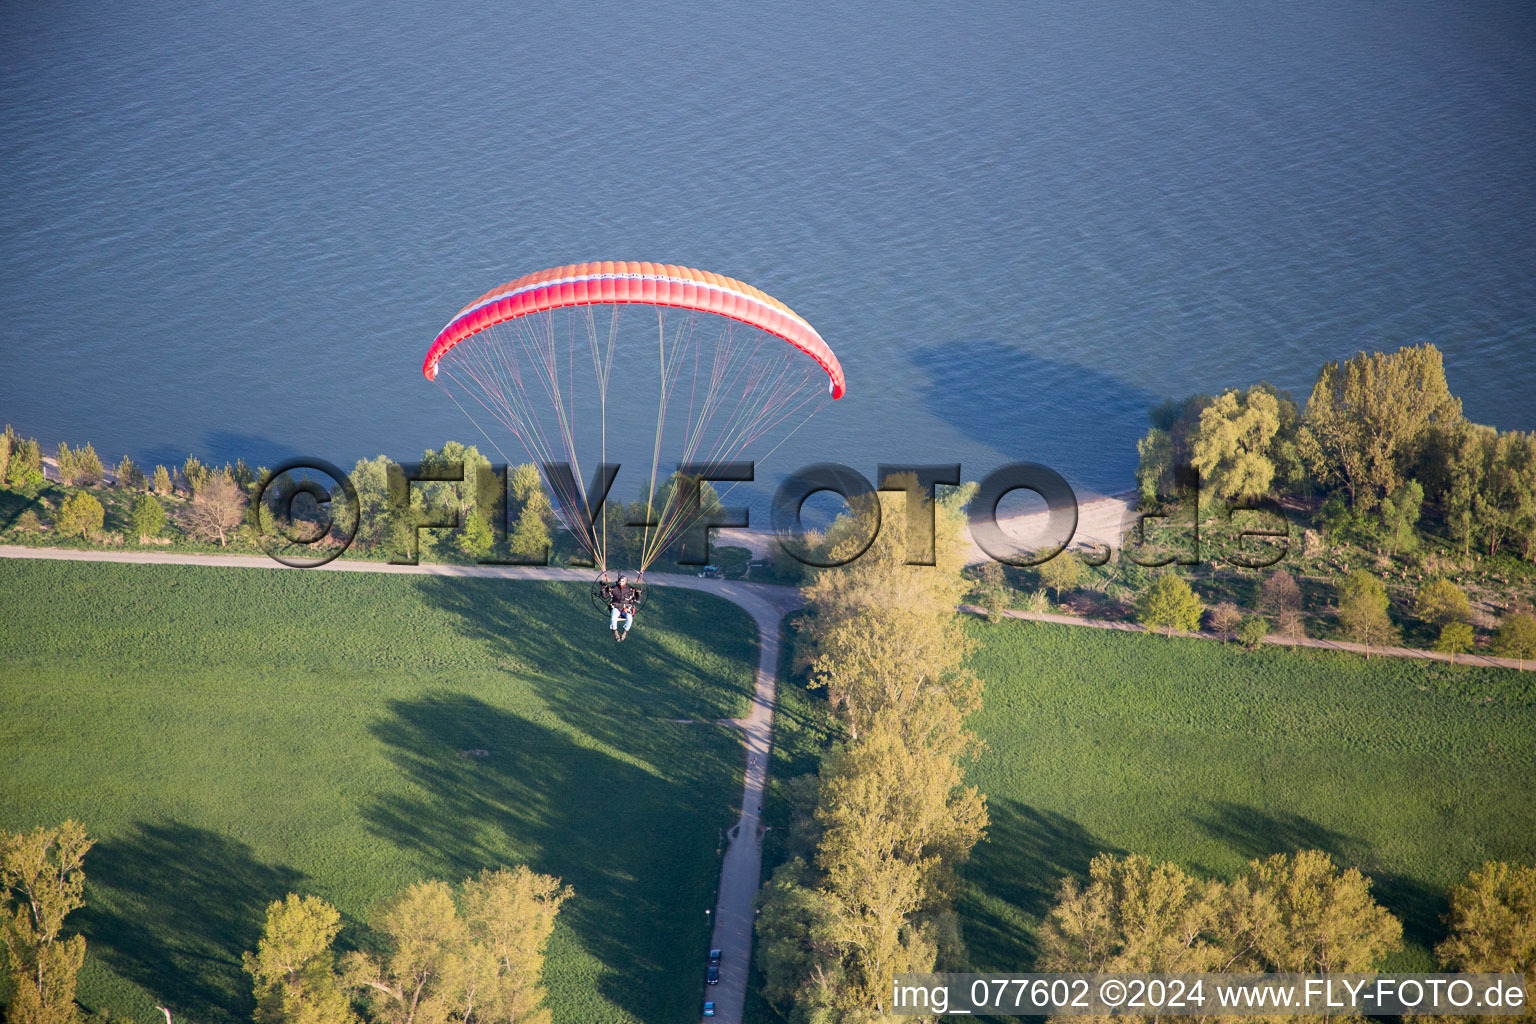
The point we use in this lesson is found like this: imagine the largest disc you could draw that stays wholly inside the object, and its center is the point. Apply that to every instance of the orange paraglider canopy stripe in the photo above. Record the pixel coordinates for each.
(652, 284)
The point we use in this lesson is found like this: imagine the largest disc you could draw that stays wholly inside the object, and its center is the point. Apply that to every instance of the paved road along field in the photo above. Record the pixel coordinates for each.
(741, 870)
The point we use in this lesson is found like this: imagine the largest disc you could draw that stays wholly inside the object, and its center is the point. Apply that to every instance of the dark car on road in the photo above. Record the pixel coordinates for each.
(714, 958)
(713, 977)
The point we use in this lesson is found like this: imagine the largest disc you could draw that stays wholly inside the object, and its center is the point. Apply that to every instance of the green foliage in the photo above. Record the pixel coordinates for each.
(476, 967)
(88, 468)
(8, 443)
(1169, 604)
(1516, 637)
(1400, 513)
(294, 967)
(344, 760)
(25, 467)
(1154, 468)
(162, 480)
(194, 473)
(147, 517)
(1231, 447)
(1367, 416)
(1064, 572)
(80, 515)
(1289, 913)
(1363, 610)
(1455, 638)
(1252, 631)
(41, 883)
(476, 539)
(65, 460)
(129, 475)
(1493, 926)
(1440, 602)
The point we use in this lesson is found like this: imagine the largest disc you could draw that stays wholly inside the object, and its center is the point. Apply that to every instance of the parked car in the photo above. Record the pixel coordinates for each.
(714, 958)
(709, 1008)
(713, 977)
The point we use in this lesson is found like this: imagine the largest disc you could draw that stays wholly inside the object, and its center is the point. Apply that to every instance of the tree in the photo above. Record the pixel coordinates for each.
(409, 984)
(476, 539)
(25, 468)
(1363, 610)
(1400, 512)
(1493, 926)
(294, 967)
(1225, 618)
(1299, 914)
(1441, 602)
(64, 458)
(1279, 593)
(1132, 916)
(510, 917)
(88, 468)
(1253, 630)
(1063, 571)
(1291, 624)
(41, 882)
(218, 508)
(1154, 470)
(80, 515)
(530, 538)
(1231, 447)
(8, 442)
(1516, 637)
(162, 480)
(1455, 638)
(194, 473)
(1368, 415)
(147, 517)
(129, 475)
(1169, 604)
(484, 965)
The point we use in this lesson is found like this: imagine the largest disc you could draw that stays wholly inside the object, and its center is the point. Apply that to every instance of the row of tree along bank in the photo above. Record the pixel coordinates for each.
(873, 857)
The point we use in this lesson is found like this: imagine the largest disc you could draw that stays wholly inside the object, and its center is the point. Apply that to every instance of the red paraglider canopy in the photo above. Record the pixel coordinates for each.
(652, 284)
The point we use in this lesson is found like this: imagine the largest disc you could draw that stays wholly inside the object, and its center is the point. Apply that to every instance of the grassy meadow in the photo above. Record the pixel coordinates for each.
(229, 735)
(1209, 755)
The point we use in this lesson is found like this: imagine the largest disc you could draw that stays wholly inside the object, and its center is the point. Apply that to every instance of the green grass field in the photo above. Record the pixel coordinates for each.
(229, 735)
(1205, 754)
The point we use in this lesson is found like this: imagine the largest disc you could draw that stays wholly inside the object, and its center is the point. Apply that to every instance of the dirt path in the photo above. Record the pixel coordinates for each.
(1332, 645)
(741, 869)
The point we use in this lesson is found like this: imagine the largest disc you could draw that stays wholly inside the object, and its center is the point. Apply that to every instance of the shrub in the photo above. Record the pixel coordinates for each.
(28, 522)
(80, 515)
(194, 473)
(1253, 630)
(162, 480)
(147, 517)
(25, 468)
(65, 459)
(733, 561)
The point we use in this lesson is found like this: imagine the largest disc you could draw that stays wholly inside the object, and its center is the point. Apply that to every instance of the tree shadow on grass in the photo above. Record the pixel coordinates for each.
(1257, 833)
(1013, 877)
(550, 635)
(172, 907)
(495, 789)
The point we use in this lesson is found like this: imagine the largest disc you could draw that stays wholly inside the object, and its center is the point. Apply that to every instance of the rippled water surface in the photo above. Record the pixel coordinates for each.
(234, 229)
